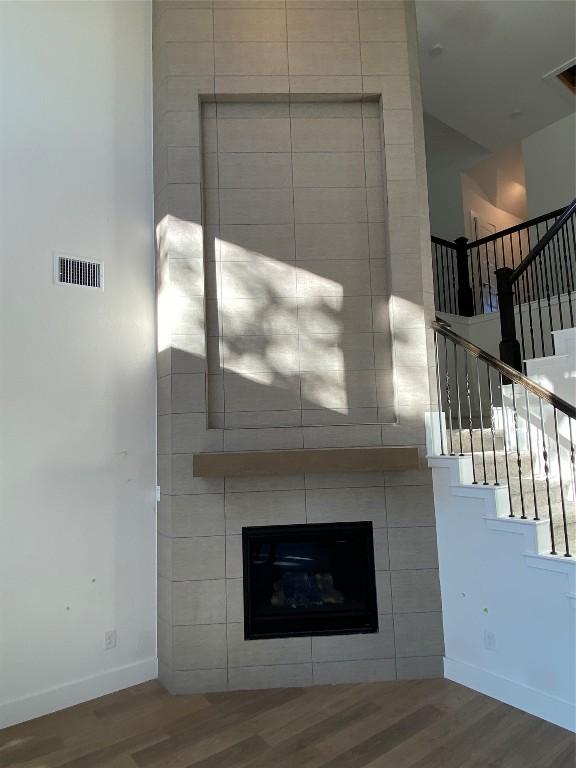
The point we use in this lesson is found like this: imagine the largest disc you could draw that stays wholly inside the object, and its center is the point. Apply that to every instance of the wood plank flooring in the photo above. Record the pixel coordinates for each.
(413, 724)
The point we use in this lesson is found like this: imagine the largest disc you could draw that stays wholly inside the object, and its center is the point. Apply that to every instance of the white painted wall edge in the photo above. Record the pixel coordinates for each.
(549, 708)
(77, 692)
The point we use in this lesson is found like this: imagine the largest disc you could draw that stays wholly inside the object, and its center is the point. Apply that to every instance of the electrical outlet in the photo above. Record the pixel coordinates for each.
(489, 640)
(110, 639)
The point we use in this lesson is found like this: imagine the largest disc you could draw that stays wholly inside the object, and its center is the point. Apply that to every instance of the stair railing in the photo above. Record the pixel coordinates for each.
(518, 433)
(464, 279)
(538, 295)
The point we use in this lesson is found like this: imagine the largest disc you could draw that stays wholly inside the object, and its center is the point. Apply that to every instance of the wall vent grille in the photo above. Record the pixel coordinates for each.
(70, 271)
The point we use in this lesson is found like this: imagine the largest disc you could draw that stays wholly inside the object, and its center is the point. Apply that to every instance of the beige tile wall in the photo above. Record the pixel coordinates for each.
(305, 67)
(298, 186)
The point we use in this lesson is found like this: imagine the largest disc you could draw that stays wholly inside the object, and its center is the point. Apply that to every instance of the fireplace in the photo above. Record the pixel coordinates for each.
(309, 580)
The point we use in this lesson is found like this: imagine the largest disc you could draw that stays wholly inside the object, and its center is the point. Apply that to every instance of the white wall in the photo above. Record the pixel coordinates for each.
(550, 166)
(77, 549)
(509, 612)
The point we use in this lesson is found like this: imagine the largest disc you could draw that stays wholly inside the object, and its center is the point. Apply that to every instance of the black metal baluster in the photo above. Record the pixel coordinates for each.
(547, 269)
(518, 456)
(471, 272)
(538, 274)
(492, 426)
(480, 283)
(564, 520)
(572, 462)
(481, 421)
(520, 304)
(448, 397)
(505, 430)
(488, 285)
(470, 425)
(530, 275)
(547, 476)
(531, 454)
(569, 275)
(443, 283)
(439, 395)
(435, 275)
(554, 244)
(458, 398)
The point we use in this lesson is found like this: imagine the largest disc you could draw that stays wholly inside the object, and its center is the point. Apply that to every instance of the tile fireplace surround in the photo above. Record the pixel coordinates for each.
(290, 175)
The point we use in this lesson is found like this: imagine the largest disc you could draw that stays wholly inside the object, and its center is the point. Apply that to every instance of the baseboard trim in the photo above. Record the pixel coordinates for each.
(77, 692)
(530, 700)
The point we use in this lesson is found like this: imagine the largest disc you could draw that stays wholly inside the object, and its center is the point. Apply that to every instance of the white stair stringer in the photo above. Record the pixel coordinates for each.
(509, 607)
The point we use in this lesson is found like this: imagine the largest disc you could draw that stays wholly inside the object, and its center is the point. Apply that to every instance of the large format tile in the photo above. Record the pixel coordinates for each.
(332, 314)
(326, 351)
(243, 242)
(198, 558)
(248, 317)
(373, 645)
(254, 135)
(185, 25)
(410, 505)
(250, 58)
(412, 548)
(235, 600)
(198, 681)
(200, 647)
(416, 591)
(197, 515)
(255, 170)
(244, 394)
(330, 505)
(384, 592)
(199, 602)
(338, 277)
(342, 436)
(189, 58)
(252, 653)
(331, 241)
(371, 671)
(256, 278)
(327, 134)
(274, 676)
(264, 508)
(382, 23)
(256, 206)
(275, 353)
(384, 58)
(418, 634)
(250, 24)
(338, 389)
(420, 667)
(317, 206)
(324, 58)
(328, 169)
(322, 24)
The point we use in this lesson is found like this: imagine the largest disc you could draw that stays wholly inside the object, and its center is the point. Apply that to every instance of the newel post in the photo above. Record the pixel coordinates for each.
(465, 298)
(509, 344)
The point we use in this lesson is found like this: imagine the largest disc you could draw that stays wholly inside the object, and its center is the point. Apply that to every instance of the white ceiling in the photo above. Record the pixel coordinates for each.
(495, 54)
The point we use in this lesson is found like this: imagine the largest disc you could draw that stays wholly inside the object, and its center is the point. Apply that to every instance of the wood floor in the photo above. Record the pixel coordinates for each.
(416, 724)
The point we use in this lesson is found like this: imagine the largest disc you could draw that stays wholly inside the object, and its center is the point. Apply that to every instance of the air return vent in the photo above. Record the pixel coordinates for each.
(70, 271)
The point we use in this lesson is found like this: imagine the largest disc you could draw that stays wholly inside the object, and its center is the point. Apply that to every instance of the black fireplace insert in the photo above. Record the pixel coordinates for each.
(309, 580)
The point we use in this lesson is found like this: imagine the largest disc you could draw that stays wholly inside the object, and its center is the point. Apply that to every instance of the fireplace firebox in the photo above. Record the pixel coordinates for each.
(316, 579)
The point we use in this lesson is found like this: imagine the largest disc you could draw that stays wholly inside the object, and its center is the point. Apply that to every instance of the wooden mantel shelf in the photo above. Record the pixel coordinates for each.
(297, 461)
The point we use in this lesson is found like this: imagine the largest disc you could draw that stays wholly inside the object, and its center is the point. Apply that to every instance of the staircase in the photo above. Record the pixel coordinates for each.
(501, 448)
(529, 496)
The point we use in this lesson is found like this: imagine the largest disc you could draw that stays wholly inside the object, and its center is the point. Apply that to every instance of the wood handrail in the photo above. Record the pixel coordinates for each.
(517, 228)
(444, 329)
(541, 244)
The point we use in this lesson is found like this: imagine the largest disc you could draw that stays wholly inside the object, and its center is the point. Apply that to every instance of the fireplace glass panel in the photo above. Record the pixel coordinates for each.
(309, 580)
